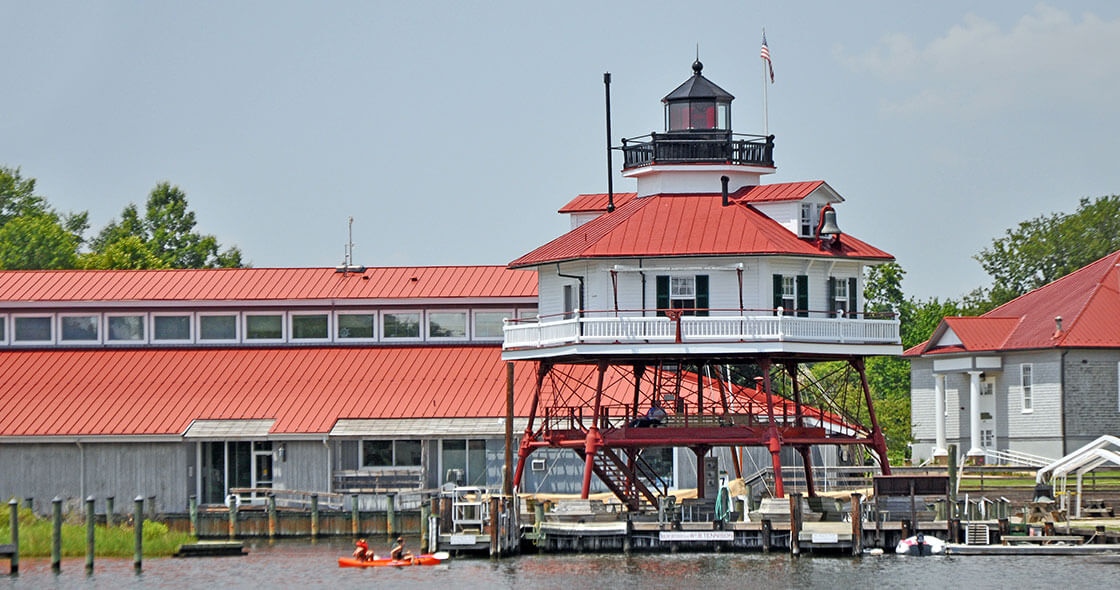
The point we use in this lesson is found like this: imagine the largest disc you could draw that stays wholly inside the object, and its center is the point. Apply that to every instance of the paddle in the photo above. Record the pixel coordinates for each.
(441, 555)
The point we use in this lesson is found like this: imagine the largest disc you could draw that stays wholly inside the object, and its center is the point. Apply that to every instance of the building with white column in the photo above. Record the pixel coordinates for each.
(1038, 376)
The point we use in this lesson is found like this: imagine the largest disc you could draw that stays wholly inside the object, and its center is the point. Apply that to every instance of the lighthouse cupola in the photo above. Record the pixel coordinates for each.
(698, 105)
(698, 147)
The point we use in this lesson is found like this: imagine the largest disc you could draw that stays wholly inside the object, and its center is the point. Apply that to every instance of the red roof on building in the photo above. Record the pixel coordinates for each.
(256, 284)
(595, 203)
(784, 191)
(1087, 300)
(686, 225)
(160, 391)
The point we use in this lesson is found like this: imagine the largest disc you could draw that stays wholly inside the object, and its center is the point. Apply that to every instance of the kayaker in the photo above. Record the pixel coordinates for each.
(361, 551)
(399, 552)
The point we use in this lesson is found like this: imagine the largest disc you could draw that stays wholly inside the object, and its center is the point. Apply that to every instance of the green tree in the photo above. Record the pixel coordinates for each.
(164, 237)
(32, 234)
(1041, 250)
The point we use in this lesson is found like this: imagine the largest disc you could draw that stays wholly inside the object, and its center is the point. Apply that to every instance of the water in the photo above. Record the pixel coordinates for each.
(301, 565)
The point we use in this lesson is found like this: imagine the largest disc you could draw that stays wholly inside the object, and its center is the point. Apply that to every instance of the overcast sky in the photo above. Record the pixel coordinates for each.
(453, 131)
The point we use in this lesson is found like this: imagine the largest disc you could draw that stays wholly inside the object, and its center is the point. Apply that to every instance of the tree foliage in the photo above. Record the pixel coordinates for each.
(1041, 250)
(32, 234)
(164, 237)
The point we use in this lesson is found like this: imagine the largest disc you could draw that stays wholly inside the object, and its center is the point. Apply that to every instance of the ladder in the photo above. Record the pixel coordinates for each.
(977, 533)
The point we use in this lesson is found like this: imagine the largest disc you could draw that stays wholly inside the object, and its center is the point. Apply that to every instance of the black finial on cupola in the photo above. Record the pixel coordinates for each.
(697, 67)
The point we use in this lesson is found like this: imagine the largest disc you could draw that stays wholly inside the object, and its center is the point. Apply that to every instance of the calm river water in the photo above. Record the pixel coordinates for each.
(301, 565)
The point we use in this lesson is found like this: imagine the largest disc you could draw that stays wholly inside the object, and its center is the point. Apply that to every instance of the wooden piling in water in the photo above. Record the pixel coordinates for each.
(857, 524)
(138, 541)
(766, 528)
(56, 534)
(13, 561)
(272, 516)
(192, 512)
(425, 511)
(795, 523)
(390, 515)
(314, 516)
(495, 550)
(355, 518)
(89, 534)
(233, 519)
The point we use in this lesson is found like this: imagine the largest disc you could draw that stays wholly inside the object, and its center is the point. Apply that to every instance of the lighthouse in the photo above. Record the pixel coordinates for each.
(687, 315)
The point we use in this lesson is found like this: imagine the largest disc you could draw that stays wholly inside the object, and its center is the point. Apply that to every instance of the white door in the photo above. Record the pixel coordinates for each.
(988, 413)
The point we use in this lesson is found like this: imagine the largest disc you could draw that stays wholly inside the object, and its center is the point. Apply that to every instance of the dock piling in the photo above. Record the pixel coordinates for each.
(857, 524)
(272, 516)
(138, 542)
(766, 528)
(13, 561)
(232, 518)
(314, 516)
(795, 523)
(495, 519)
(56, 534)
(425, 512)
(89, 534)
(390, 515)
(355, 518)
(192, 510)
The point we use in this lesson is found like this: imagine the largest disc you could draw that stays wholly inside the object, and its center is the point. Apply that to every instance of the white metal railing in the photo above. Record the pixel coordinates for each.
(1009, 457)
(719, 328)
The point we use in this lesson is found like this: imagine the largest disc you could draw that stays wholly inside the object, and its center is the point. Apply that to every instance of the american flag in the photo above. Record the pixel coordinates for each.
(766, 56)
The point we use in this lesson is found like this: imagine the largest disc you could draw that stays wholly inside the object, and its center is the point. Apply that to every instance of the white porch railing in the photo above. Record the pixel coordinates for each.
(686, 329)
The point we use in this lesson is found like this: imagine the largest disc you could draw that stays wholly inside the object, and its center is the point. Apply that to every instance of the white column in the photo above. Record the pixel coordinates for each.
(939, 448)
(974, 413)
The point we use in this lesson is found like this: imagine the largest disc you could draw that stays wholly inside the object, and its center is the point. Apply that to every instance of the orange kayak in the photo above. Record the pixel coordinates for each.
(419, 560)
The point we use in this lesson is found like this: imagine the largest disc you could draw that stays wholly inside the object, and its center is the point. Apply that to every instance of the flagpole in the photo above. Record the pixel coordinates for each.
(765, 97)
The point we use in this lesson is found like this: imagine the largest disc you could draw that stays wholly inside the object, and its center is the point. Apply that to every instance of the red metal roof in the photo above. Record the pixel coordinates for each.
(254, 284)
(1088, 301)
(593, 203)
(153, 392)
(783, 191)
(686, 225)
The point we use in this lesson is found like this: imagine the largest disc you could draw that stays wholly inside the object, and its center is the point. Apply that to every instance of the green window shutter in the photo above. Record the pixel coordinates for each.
(777, 293)
(853, 299)
(702, 294)
(831, 295)
(803, 295)
(662, 294)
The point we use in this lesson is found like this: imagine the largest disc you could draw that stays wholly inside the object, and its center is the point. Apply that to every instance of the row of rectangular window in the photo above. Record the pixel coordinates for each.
(233, 327)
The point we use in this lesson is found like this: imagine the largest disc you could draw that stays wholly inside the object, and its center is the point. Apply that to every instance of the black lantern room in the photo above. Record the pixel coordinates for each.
(698, 105)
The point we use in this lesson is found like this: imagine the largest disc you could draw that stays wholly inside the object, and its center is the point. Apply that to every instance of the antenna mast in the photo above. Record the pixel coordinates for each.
(348, 265)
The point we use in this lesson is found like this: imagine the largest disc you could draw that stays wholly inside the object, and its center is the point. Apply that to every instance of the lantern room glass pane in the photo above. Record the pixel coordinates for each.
(702, 115)
(678, 116)
(723, 118)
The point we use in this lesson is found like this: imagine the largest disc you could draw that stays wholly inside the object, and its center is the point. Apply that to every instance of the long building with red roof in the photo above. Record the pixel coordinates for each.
(1039, 375)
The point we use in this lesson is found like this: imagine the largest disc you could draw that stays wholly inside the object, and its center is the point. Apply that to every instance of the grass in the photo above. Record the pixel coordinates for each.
(35, 538)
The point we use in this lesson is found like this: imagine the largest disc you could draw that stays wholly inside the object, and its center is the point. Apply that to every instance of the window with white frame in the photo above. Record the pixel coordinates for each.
(806, 220)
(489, 324)
(1026, 381)
(3, 330)
(171, 328)
(789, 293)
(987, 387)
(264, 326)
(391, 453)
(78, 328)
(447, 324)
(468, 456)
(987, 438)
(400, 325)
(310, 326)
(682, 292)
(32, 329)
(124, 328)
(217, 327)
(527, 314)
(841, 295)
(356, 326)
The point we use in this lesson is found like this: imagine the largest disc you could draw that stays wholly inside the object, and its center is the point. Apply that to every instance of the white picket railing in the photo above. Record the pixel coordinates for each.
(637, 329)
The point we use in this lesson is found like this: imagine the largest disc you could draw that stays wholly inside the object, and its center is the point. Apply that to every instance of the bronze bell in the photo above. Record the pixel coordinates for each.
(828, 227)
